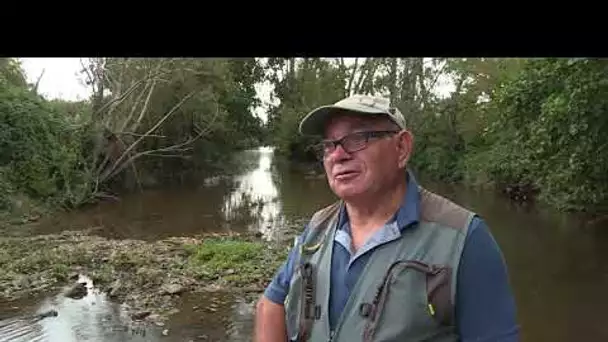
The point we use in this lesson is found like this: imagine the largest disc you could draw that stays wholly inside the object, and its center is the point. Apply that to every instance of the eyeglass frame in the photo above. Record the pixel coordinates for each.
(320, 148)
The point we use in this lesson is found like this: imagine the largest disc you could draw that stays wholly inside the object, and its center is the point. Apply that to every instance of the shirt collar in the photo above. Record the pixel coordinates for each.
(407, 214)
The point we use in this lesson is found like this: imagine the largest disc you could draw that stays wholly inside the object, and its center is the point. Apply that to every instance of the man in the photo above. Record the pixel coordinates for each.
(389, 261)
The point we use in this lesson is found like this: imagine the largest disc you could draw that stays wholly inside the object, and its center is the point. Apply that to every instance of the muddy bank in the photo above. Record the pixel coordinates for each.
(149, 277)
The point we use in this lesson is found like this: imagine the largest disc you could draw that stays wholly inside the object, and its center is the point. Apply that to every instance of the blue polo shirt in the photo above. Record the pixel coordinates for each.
(485, 307)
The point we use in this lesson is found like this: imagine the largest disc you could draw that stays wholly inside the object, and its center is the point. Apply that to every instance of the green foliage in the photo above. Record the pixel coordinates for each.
(6, 189)
(197, 109)
(533, 124)
(141, 112)
(72, 111)
(239, 98)
(237, 261)
(39, 149)
(11, 74)
(304, 85)
(452, 133)
(549, 132)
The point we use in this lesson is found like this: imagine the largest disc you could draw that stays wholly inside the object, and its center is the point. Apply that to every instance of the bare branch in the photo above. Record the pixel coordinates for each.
(135, 105)
(101, 194)
(90, 80)
(352, 77)
(392, 86)
(134, 144)
(102, 165)
(144, 108)
(146, 103)
(116, 101)
(365, 83)
(141, 135)
(439, 73)
(168, 155)
(363, 72)
(38, 81)
(173, 148)
(135, 172)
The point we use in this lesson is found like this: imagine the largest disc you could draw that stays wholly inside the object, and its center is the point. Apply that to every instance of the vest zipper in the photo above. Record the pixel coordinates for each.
(381, 292)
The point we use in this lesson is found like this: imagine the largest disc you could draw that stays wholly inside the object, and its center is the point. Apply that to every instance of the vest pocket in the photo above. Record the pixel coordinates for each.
(439, 294)
(293, 306)
(300, 307)
(413, 299)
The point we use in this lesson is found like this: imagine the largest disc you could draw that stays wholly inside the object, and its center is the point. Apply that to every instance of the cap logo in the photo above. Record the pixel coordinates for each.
(372, 101)
(366, 100)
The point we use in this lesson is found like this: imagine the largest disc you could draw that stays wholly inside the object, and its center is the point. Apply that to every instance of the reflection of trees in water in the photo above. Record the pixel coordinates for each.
(91, 318)
(240, 208)
(246, 161)
(220, 316)
(241, 321)
(253, 204)
(301, 191)
(274, 197)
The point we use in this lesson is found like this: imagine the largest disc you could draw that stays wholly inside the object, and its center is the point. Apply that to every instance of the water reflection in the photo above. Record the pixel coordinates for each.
(255, 200)
(90, 318)
(216, 316)
(261, 194)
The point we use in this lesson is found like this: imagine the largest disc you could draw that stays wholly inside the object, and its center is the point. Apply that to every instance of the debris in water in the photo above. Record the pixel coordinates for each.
(116, 289)
(140, 315)
(78, 291)
(49, 313)
(173, 289)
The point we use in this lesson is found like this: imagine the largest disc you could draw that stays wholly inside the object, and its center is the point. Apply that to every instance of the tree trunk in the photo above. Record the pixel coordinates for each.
(393, 81)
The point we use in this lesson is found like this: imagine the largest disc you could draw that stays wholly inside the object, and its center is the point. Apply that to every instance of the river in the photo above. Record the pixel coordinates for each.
(556, 261)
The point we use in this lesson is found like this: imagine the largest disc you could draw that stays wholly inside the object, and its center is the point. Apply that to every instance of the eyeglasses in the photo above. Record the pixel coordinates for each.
(350, 143)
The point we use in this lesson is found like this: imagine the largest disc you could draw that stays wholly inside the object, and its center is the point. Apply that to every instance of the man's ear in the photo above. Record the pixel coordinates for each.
(405, 144)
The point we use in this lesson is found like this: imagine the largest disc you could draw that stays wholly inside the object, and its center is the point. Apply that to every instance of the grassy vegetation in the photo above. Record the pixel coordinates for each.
(134, 271)
(234, 261)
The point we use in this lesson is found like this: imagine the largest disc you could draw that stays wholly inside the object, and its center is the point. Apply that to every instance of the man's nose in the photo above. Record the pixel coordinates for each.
(339, 153)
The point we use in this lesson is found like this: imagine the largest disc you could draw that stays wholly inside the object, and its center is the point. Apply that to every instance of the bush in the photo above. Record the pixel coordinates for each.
(550, 132)
(40, 151)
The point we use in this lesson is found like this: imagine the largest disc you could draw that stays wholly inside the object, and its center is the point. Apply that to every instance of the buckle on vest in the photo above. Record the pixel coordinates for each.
(365, 310)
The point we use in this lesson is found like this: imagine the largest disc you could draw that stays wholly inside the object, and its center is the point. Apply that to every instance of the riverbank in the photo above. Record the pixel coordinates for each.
(149, 277)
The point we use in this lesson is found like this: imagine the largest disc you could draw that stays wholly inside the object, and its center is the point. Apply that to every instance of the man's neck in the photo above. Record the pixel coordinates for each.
(375, 212)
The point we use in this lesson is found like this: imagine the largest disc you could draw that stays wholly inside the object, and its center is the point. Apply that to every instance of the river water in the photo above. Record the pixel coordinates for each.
(557, 262)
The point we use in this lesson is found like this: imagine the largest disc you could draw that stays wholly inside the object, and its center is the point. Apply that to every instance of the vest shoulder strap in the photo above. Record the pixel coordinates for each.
(320, 225)
(436, 208)
(441, 286)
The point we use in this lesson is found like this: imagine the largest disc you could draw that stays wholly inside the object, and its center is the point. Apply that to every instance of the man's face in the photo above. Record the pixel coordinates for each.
(368, 171)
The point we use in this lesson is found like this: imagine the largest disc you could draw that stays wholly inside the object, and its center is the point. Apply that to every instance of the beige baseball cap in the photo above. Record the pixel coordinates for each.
(313, 122)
